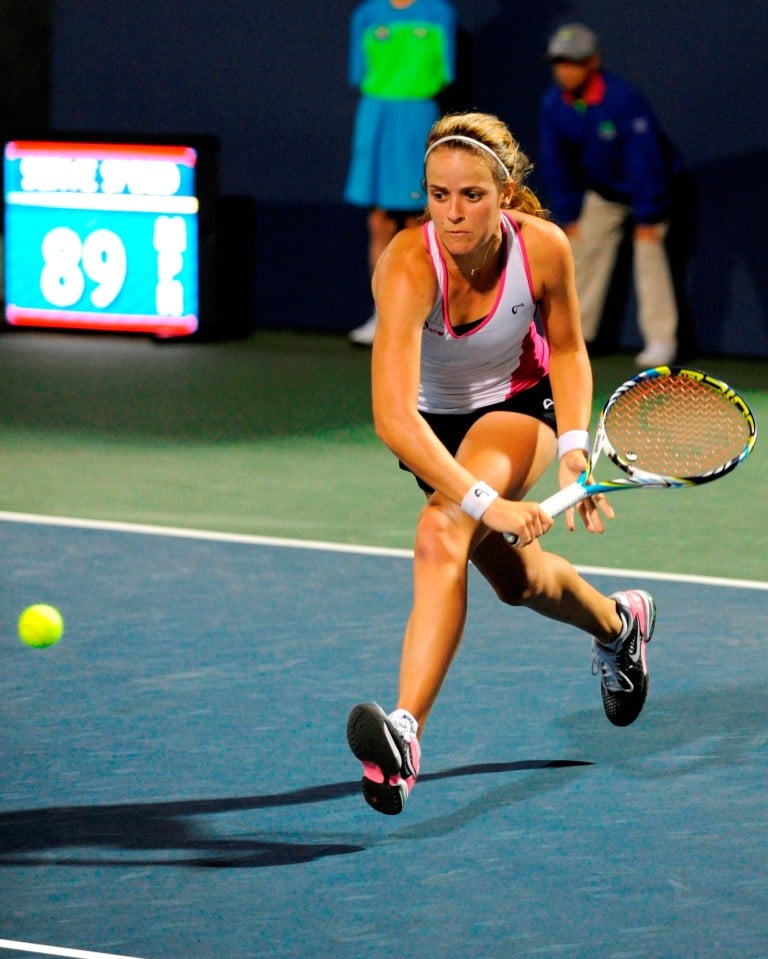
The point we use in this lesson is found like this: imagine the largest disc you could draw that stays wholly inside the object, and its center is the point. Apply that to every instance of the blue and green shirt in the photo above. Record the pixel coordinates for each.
(402, 54)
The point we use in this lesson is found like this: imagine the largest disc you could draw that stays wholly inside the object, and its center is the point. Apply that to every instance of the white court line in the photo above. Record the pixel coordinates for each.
(180, 532)
(57, 951)
(212, 536)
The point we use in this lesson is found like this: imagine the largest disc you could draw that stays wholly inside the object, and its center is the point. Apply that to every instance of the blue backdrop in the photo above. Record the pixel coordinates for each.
(270, 81)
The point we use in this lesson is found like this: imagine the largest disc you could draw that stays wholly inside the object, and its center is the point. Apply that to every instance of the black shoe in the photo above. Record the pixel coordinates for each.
(624, 670)
(390, 754)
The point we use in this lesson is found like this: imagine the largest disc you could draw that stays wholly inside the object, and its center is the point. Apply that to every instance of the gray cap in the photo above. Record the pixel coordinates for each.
(572, 41)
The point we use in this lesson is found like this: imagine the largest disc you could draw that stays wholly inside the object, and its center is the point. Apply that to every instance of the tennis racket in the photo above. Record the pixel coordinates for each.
(667, 427)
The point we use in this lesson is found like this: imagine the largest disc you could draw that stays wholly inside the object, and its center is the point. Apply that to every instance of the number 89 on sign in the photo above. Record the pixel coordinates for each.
(69, 262)
(81, 258)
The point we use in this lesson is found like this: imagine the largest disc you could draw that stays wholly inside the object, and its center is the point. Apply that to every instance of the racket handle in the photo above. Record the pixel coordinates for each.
(554, 505)
(564, 499)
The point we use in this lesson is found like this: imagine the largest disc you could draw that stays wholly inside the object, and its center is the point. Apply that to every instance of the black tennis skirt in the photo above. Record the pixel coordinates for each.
(451, 428)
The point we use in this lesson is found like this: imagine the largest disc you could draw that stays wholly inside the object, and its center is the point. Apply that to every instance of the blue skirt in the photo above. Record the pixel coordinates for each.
(387, 164)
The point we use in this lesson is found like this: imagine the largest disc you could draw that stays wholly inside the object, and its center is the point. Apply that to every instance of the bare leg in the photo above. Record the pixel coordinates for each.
(436, 623)
(547, 584)
(381, 229)
(510, 452)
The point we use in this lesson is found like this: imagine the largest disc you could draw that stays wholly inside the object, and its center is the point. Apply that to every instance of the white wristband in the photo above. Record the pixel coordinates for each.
(572, 440)
(477, 499)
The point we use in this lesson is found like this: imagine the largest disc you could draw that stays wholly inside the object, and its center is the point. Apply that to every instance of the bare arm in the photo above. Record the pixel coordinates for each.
(570, 370)
(404, 288)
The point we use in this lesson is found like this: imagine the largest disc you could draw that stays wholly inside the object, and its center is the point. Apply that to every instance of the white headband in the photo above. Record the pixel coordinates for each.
(474, 143)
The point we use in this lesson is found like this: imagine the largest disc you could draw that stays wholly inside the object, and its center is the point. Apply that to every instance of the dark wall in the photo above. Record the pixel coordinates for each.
(25, 54)
(270, 81)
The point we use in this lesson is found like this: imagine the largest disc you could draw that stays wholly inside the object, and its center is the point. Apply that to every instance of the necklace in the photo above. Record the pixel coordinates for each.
(476, 270)
(479, 269)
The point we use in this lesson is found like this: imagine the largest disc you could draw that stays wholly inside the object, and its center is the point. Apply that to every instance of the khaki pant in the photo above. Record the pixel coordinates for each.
(601, 229)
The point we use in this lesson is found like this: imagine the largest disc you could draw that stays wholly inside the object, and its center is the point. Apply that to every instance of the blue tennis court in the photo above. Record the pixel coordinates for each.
(177, 782)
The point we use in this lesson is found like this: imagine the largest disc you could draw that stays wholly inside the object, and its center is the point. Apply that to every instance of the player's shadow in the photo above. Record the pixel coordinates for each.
(682, 735)
(723, 726)
(146, 829)
(677, 735)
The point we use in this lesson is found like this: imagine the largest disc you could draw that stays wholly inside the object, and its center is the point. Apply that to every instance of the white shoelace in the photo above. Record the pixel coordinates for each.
(404, 723)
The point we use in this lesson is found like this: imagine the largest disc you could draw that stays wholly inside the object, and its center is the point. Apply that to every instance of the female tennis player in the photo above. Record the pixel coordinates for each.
(476, 403)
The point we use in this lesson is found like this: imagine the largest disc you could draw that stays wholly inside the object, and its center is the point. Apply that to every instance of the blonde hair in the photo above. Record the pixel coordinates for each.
(490, 139)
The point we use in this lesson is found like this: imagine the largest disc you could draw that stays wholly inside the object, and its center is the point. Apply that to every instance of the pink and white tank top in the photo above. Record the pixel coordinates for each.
(502, 355)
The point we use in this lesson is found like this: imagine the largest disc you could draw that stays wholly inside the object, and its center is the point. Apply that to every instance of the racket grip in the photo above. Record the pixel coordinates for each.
(564, 499)
(554, 505)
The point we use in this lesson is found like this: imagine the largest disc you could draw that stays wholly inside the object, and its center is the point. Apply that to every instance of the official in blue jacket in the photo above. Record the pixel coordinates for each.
(605, 164)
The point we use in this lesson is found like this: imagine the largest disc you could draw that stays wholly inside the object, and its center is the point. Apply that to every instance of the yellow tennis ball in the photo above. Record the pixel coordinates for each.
(40, 626)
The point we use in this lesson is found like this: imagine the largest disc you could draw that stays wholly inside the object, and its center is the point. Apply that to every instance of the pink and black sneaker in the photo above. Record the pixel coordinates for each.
(622, 664)
(390, 753)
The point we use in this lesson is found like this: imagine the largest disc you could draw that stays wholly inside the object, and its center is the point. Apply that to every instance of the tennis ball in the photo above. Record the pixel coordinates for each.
(40, 626)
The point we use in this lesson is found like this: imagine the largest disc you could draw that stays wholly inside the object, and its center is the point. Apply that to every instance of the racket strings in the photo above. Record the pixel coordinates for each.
(676, 426)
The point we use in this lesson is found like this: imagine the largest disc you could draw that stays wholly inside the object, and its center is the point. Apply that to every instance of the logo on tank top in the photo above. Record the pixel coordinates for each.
(434, 330)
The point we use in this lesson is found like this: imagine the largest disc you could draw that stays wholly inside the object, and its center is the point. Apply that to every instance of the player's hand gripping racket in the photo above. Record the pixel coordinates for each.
(667, 427)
